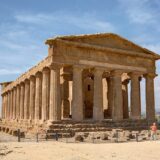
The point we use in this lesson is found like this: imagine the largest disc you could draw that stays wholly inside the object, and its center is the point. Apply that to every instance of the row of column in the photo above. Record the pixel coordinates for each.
(116, 105)
(37, 98)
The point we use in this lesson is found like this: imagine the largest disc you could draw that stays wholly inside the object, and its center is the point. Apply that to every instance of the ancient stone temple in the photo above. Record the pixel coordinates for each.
(83, 78)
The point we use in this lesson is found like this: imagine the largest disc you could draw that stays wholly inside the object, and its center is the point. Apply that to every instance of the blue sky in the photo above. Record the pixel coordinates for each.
(26, 24)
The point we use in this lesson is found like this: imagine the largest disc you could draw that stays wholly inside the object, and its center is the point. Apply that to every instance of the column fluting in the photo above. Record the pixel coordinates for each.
(150, 101)
(117, 108)
(45, 93)
(98, 114)
(38, 97)
(22, 93)
(32, 98)
(55, 107)
(135, 95)
(77, 101)
(26, 99)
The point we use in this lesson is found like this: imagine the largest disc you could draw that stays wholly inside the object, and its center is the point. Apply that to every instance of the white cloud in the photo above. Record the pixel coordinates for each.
(85, 21)
(10, 71)
(140, 11)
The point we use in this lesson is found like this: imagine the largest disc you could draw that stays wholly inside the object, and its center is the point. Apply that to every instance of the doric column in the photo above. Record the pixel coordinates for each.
(135, 95)
(22, 101)
(109, 96)
(98, 95)
(17, 101)
(14, 103)
(117, 108)
(45, 93)
(77, 102)
(150, 104)
(2, 107)
(11, 104)
(3, 102)
(32, 98)
(125, 99)
(65, 96)
(55, 107)
(7, 105)
(26, 99)
(38, 97)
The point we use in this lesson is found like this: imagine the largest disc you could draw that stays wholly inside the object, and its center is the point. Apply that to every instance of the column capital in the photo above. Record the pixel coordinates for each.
(99, 70)
(8, 91)
(150, 75)
(18, 85)
(26, 81)
(14, 87)
(135, 74)
(55, 66)
(45, 70)
(38, 74)
(78, 67)
(106, 74)
(117, 73)
(32, 78)
(67, 76)
(21, 84)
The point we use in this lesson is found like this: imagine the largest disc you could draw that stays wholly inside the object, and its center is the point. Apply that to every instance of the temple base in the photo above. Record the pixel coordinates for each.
(69, 128)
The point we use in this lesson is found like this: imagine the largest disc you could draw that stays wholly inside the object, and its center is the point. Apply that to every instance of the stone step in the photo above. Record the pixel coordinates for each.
(95, 125)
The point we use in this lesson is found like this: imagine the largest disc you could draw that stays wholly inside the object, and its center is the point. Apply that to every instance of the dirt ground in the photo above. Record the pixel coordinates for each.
(52, 150)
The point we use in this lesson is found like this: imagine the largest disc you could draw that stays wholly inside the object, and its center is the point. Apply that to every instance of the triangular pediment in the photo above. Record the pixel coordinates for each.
(108, 40)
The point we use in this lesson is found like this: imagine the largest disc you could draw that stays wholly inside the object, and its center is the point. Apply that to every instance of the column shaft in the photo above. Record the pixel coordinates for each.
(77, 102)
(6, 114)
(98, 96)
(150, 103)
(17, 102)
(32, 98)
(11, 105)
(125, 99)
(55, 107)
(45, 94)
(38, 97)
(14, 104)
(135, 96)
(2, 107)
(26, 100)
(117, 108)
(22, 101)
(8, 105)
(65, 96)
(109, 96)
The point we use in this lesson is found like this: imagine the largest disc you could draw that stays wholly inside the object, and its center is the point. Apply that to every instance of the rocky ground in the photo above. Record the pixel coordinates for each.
(49, 150)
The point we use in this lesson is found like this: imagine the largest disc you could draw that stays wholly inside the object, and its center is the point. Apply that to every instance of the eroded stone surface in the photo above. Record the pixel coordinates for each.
(83, 78)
